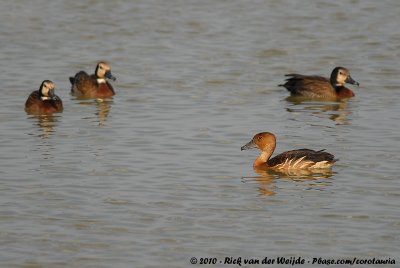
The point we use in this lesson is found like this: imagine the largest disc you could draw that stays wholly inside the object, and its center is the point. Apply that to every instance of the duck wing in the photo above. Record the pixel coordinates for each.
(110, 87)
(56, 102)
(302, 158)
(308, 85)
(32, 99)
(82, 82)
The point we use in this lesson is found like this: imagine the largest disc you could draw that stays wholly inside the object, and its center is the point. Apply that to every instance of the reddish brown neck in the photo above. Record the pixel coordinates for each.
(344, 92)
(262, 159)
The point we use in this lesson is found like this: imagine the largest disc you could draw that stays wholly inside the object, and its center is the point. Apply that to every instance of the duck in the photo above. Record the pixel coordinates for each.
(43, 100)
(318, 87)
(92, 86)
(300, 159)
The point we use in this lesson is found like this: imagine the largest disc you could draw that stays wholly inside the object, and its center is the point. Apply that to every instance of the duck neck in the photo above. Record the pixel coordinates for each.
(101, 80)
(344, 92)
(262, 159)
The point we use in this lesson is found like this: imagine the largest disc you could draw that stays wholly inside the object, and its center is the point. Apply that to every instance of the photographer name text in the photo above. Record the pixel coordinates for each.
(239, 261)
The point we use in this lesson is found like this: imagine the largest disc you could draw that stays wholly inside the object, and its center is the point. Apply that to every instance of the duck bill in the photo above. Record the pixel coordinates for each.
(250, 145)
(53, 98)
(51, 94)
(350, 80)
(110, 76)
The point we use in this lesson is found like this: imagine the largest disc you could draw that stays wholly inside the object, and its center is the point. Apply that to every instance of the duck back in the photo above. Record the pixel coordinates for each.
(83, 83)
(302, 158)
(311, 86)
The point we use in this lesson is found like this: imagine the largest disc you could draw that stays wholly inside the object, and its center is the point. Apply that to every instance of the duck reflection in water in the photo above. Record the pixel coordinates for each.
(335, 111)
(266, 179)
(103, 108)
(46, 124)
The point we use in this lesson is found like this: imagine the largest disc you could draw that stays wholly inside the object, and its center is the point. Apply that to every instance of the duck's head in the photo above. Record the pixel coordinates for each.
(103, 70)
(47, 90)
(341, 76)
(262, 141)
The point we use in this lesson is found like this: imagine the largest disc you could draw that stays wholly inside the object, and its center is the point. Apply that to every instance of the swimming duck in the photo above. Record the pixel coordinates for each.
(290, 160)
(43, 100)
(318, 87)
(95, 85)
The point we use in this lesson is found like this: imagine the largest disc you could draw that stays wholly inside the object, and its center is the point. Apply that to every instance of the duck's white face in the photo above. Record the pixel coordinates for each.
(102, 68)
(47, 90)
(103, 71)
(342, 76)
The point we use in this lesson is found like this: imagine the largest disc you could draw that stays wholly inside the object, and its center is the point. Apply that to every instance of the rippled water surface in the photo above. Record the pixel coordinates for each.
(155, 175)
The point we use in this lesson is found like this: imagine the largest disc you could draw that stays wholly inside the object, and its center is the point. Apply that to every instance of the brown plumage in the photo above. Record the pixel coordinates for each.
(290, 160)
(43, 100)
(95, 85)
(318, 87)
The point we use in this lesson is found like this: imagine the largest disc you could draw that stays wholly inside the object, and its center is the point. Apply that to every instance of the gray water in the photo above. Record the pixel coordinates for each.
(155, 175)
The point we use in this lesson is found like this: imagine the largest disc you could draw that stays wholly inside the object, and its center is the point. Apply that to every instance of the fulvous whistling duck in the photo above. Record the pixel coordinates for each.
(290, 160)
(95, 85)
(43, 100)
(318, 87)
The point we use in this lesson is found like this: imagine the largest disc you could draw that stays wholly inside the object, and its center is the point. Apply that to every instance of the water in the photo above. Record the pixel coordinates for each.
(155, 176)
